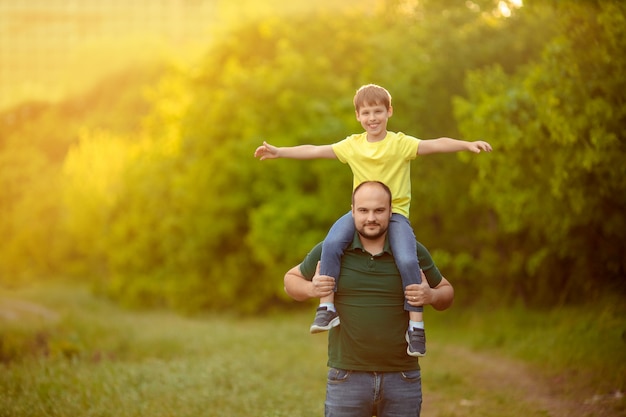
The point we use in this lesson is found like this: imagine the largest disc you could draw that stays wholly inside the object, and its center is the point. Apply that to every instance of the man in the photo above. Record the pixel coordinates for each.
(370, 372)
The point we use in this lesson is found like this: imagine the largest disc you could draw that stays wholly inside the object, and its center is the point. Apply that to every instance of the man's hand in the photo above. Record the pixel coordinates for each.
(440, 297)
(478, 146)
(266, 151)
(419, 294)
(323, 285)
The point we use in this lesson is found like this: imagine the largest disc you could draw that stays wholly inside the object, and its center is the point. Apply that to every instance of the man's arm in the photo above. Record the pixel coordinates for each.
(447, 145)
(301, 289)
(440, 297)
(267, 151)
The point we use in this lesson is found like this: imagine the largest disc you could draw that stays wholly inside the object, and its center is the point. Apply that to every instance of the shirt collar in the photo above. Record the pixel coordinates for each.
(356, 244)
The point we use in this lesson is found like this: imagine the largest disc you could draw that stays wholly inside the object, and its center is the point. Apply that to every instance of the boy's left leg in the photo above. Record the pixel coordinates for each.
(404, 248)
(416, 335)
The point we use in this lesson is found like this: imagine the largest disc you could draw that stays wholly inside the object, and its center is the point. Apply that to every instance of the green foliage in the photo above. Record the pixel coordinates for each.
(28, 213)
(153, 196)
(275, 80)
(560, 188)
(35, 139)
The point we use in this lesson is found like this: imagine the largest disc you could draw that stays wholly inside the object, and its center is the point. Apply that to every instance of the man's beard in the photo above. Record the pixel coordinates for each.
(372, 235)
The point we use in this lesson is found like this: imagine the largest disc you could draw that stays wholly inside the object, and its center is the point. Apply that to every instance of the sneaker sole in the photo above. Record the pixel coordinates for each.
(415, 354)
(408, 348)
(319, 329)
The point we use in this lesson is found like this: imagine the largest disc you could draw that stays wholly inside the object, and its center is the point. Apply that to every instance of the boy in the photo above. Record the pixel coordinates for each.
(375, 155)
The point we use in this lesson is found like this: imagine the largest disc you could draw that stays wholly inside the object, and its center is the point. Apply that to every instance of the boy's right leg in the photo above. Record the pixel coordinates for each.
(338, 238)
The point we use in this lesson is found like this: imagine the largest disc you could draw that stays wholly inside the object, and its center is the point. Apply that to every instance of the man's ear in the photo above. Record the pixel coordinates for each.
(390, 111)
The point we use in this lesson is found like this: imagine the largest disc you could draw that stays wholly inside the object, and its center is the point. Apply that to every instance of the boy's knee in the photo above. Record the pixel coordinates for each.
(407, 263)
(333, 246)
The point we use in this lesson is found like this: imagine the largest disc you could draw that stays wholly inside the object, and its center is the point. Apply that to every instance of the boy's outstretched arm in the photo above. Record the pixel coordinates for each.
(267, 151)
(446, 145)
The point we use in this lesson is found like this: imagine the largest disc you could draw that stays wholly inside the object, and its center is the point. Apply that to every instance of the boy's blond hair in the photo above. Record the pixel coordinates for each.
(372, 94)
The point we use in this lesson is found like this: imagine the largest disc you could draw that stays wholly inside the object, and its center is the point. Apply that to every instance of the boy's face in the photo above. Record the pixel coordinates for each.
(373, 118)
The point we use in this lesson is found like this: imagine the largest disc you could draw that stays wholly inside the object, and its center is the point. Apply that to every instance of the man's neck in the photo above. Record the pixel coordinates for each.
(373, 246)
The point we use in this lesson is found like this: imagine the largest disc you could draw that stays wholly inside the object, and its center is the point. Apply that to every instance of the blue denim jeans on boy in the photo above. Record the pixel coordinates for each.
(401, 240)
(367, 394)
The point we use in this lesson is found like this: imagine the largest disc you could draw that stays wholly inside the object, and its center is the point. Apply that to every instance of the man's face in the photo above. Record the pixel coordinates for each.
(371, 211)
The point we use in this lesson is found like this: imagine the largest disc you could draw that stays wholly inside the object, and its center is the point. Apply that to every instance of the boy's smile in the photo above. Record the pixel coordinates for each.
(374, 118)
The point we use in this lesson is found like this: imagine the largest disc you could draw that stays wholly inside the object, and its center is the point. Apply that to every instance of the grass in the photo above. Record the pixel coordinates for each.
(104, 361)
(82, 356)
(588, 341)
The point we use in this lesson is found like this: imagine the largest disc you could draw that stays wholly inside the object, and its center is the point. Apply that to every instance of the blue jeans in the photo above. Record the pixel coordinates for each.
(401, 240)
(367, 394)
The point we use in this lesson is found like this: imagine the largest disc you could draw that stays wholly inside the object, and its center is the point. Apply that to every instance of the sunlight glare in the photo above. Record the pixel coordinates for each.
(504, 9)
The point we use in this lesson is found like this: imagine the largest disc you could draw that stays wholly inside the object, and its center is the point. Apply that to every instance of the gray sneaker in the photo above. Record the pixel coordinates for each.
(324, 320)
(416, 339)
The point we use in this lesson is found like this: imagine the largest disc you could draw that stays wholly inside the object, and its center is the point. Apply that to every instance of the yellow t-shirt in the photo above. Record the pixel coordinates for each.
(388, 161)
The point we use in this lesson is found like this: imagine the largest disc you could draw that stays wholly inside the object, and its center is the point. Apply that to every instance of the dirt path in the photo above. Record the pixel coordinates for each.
(16, 310)
(513, 384)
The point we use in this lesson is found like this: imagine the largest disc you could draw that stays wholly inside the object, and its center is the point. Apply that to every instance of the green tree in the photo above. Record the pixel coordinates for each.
(558, 182)
(35, 139)
(29, 214)
(163, 203)
(236, 224)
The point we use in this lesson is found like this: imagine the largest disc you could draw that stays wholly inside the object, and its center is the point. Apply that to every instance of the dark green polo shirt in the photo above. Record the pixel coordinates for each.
(370, 303)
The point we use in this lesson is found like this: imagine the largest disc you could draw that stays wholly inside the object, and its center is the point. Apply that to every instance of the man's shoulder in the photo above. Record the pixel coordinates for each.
(309, 264)
(420, 247)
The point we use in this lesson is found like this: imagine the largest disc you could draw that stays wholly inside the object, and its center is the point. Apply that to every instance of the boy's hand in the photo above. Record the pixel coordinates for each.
(478, 146)
(266, 151)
